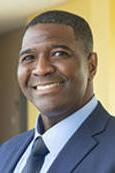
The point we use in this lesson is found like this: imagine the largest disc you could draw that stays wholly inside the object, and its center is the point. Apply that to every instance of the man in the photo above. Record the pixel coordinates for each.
(56, 69)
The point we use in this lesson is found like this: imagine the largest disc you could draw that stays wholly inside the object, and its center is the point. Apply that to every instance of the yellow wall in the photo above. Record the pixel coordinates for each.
(112, 56)
(101, 16)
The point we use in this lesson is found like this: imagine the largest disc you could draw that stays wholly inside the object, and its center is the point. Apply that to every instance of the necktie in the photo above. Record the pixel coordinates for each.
(37, 156)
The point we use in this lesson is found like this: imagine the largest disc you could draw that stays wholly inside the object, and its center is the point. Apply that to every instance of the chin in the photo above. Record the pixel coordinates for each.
(48, 111)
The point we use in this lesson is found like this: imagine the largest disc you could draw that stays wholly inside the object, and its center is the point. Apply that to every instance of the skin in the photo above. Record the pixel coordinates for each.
(54, 72)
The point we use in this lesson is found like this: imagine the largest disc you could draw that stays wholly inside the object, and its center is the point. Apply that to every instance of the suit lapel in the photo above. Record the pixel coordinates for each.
(74, 151)
(82, 142)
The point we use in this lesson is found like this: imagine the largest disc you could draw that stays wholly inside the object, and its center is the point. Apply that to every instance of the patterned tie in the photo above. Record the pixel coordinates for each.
(37, 156)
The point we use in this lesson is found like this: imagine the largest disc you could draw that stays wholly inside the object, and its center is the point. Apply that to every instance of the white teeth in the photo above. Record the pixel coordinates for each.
(48, 86)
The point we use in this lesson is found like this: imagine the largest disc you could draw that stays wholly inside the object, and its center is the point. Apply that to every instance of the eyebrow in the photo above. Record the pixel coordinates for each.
(22, 52)
(61, 46)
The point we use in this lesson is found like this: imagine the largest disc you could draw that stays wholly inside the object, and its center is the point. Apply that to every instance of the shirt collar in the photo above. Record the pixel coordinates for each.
(60, 133)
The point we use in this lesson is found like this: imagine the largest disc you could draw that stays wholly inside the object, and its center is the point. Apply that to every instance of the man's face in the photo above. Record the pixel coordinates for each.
(53, 72)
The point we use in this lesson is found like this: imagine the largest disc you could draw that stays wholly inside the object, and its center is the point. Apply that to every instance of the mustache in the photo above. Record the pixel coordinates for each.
(51, 78)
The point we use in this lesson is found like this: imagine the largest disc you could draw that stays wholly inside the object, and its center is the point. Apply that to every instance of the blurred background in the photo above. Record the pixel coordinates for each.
(18, 115)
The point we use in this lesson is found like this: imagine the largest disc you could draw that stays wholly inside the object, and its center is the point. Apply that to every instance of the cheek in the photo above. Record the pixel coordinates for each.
(22, 76)
(75, 70)
(78, 75)
(67, 68)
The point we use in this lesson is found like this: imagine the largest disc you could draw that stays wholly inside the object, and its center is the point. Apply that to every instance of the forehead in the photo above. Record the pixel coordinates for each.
(44, 33)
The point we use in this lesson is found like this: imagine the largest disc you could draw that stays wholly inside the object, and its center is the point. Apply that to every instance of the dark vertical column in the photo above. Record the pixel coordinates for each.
(13, 109)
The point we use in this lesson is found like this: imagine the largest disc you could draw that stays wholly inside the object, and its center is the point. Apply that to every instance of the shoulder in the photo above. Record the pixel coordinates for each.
(101, 123)
(105, 122)
(111, 124)
(12, 150)
(17, 141)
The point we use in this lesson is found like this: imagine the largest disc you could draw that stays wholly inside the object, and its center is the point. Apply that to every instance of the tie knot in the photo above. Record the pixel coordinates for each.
(39, 147)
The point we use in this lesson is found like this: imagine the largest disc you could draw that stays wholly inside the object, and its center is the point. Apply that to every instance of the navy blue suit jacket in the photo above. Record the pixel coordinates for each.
(90, 150)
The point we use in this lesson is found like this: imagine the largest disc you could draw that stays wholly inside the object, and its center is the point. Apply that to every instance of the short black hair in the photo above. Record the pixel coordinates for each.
(80, 26)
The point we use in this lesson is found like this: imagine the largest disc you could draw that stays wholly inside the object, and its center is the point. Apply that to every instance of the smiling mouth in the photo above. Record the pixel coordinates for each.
(48, 86)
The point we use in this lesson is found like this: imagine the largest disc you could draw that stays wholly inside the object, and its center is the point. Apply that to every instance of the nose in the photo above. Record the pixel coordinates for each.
(43, 67)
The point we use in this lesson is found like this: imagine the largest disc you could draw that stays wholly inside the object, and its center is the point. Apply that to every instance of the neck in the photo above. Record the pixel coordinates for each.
(50, 120)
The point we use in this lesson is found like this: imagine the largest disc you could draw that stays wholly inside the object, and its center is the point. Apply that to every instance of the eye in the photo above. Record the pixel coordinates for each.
(27, 58)
(60, 53)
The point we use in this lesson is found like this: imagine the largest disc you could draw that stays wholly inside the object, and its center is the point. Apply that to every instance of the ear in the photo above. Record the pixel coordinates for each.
(92, 61)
